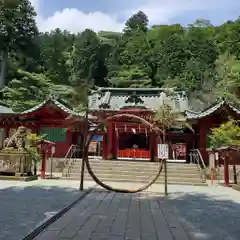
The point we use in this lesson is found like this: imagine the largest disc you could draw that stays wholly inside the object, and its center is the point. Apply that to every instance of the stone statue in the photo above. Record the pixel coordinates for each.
(18, 140)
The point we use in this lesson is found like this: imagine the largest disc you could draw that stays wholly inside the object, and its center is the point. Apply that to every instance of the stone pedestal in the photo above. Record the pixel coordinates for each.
(14, 162)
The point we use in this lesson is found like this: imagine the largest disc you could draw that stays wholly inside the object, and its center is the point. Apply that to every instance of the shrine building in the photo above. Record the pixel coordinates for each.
(124, 137)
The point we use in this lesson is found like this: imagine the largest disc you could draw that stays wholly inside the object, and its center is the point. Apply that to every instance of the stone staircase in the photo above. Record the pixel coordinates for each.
(132, 171)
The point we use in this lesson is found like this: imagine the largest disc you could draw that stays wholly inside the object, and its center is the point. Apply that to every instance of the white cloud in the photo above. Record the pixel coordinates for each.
(162, 11)
(158, 11)
(75, 21)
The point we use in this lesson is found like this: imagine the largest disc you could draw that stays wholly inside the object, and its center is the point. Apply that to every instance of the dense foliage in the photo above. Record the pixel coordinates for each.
(202, 59)
(226, 135)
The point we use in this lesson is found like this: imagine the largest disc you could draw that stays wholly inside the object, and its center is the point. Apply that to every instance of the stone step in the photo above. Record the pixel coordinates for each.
(136, 165)
(140, 173)
(109, 175)
(159, 181)
(137, 170)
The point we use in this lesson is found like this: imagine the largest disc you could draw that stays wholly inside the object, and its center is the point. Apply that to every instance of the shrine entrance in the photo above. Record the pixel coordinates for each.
(133, 146)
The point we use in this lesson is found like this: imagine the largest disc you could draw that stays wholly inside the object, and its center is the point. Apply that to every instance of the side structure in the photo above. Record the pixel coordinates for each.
(51, 117)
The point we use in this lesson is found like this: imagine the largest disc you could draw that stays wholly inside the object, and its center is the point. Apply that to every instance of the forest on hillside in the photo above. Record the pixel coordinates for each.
(201, 59)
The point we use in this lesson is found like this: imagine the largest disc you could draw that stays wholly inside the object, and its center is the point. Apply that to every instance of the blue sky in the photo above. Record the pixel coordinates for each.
(76, 15)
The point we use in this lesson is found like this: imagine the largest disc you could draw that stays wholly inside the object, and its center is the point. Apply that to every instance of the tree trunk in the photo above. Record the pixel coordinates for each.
(3, 68)
(35, 169)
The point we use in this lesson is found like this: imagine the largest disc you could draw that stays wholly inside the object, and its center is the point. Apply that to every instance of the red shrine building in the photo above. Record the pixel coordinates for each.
(123, 137)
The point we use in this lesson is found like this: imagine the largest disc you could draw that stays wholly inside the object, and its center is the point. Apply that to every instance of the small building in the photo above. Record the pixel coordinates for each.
(124, 137)
(50, 118)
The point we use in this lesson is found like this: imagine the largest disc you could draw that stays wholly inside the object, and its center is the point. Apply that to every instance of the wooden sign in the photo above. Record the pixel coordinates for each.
(53, 150)
(163, 151)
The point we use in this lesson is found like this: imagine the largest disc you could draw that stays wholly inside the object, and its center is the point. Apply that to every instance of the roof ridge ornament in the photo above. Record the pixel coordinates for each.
(134, 98)
(52, 96)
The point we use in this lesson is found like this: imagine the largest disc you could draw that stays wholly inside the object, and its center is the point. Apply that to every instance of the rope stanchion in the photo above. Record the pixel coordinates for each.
(88, 165)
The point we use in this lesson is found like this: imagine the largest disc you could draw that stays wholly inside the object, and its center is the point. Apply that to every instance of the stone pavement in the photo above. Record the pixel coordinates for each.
(205, 213)
(24, 205)
(106, 215)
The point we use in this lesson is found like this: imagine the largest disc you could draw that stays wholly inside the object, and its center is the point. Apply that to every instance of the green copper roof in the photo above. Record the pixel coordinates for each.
(56, 103)
(114, 99)
(210, 110)
(4, 109)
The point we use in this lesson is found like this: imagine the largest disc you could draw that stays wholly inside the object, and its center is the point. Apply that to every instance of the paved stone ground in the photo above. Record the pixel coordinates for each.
(212, 213)
(205, 213)
(24, 205)
(106, 215)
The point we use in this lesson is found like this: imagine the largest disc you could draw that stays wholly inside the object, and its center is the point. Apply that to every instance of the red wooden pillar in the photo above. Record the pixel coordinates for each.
(68, 137)
(226, 172)
(114, 141)
(202, 142)
(104, 147)
(153, 144)
(43, 165)
(110, 139)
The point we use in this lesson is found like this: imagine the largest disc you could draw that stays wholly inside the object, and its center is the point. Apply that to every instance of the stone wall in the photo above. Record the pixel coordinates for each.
(57, 165)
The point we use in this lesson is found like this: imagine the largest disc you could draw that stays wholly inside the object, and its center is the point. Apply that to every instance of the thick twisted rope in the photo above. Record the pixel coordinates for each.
(92, 174)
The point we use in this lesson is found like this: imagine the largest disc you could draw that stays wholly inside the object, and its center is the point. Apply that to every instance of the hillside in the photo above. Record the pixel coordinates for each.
(201, 59)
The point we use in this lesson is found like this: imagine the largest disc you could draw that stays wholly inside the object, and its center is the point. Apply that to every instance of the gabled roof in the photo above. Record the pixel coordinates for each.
(56, 103)
(114, 99)
(211, 109)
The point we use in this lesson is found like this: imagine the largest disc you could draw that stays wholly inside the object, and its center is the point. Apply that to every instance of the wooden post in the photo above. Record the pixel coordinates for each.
(165, 178)
(85, 155)
(162, 153)
(51, 166)
(114, 142)
(203, 142)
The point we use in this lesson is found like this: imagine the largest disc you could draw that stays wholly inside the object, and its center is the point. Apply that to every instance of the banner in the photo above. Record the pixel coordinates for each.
(92, 147)
(180, 149)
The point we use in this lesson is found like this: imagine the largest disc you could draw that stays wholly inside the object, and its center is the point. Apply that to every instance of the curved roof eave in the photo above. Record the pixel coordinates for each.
(210, 110)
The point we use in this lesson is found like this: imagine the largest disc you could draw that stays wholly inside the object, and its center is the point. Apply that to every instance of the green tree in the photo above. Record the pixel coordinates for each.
(138, 21)
(88, 52)
(53, 45)
(26, 90)
(166, 58)
(227, 134)
(18, 30)
(201, 45)
(227, 78)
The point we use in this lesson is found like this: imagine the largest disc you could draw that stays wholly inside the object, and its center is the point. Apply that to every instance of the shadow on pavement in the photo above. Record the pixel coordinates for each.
(205, 217)
(24, 208)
